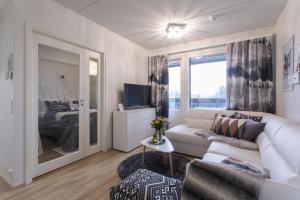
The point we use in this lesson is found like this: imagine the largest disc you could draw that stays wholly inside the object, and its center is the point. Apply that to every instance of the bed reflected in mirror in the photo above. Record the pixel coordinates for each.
(58, 109)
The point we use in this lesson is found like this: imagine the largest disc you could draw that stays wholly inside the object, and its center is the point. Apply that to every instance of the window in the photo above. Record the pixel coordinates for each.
(174, 84)
(208, 81)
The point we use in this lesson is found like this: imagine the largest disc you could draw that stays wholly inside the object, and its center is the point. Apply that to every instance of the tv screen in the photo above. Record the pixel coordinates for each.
(136, 96)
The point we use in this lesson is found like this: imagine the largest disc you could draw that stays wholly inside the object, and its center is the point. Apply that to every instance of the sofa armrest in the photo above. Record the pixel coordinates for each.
(277, 191)
(234, 142)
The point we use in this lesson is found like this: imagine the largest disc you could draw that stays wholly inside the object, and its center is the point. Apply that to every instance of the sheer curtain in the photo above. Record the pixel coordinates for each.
(250, 75)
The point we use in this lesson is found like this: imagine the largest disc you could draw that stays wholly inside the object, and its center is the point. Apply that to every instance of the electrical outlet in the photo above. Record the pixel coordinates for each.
(9, 74)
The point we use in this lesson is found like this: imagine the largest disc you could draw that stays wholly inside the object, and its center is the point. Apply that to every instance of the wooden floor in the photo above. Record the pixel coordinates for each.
(87, 179)
(48, 153)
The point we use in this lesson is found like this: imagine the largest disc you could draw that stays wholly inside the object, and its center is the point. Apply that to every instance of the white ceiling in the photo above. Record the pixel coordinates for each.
(144, 21)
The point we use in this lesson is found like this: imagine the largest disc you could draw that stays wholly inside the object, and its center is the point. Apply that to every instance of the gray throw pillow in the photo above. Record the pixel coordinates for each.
(252, 129)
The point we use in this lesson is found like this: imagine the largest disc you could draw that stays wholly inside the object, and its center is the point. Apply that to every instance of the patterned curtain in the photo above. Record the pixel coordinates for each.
(159, 81)
(250, 76)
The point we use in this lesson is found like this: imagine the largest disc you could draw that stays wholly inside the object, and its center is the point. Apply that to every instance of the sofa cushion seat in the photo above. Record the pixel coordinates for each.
(250, 156)
(213, 157)
(183, 134)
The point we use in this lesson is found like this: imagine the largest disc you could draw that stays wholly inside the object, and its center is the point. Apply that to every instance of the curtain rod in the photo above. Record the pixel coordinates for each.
(198, 49)
(219, 45)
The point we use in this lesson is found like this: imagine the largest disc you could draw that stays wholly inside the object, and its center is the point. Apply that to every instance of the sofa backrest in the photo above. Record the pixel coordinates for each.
(201, 119)
(204, 118)
(279, 147)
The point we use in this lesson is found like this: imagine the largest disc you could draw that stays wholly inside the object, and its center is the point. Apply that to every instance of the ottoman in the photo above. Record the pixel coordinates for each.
(148, 185)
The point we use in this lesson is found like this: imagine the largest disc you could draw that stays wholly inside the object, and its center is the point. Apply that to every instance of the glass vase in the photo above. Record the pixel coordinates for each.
(157, 137)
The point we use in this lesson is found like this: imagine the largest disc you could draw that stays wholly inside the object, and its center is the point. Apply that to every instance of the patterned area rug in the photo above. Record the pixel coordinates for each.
(154, 161)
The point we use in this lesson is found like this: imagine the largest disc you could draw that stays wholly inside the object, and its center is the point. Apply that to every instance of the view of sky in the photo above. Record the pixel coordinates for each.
(202, 84)
(174, 82)
(207, 79)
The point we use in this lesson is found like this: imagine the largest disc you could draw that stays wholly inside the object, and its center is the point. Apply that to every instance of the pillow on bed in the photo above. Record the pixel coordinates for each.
(74, 105)
(57, 106)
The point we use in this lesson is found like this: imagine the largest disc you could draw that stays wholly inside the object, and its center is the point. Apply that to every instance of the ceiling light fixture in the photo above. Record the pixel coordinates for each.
(175, 30)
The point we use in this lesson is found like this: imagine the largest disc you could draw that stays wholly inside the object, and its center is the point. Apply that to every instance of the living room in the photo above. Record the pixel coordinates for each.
(101, 94)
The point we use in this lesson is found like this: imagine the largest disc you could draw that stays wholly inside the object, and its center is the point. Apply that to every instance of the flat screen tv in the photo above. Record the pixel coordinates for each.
(137, 96)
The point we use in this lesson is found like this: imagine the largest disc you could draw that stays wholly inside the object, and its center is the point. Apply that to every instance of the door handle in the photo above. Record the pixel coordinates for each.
(81, 102)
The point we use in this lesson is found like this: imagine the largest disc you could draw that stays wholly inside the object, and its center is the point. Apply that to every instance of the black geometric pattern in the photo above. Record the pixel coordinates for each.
(147, 185)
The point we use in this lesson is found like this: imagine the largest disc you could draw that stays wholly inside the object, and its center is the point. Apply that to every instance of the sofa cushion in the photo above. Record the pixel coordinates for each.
(279, 149)
(239, 115)
(277, 165)
(213, 157)
(287, 141)
(251, 130)
(246, 155)
(229, 127)
(234, 142)
(183, 134)
(274, 124)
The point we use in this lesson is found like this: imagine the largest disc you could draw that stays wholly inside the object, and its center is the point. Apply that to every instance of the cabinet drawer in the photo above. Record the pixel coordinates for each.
(138, 116)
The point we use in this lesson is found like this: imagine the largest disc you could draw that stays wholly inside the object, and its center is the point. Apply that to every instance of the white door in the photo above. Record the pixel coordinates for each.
(93, 105)
(59, 111)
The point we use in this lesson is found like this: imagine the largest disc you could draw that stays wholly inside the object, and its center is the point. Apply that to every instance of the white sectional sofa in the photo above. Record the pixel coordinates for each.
(278, 145)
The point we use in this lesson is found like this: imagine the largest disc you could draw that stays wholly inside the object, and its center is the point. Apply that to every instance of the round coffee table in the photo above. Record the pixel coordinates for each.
(166, 147)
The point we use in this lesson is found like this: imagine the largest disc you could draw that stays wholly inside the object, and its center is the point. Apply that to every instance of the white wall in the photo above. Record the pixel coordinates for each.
(52, 65)
(6, 91)
(288, 25)
(125, 61)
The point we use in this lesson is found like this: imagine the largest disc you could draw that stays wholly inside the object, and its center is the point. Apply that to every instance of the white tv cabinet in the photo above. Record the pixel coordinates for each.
(130, 127)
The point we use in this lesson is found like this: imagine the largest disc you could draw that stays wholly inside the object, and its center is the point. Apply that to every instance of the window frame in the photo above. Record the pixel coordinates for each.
(178, 116)
(176, 62)
(203, 58)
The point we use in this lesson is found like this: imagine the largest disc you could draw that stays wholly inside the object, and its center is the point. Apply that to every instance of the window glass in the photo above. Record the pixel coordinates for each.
(174, 85)
(208, 81)
(93, 101)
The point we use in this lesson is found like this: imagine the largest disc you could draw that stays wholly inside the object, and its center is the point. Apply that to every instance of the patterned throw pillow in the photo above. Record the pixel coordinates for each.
(57, 106)
(215, 120)
(229, 127)
(238, 115)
